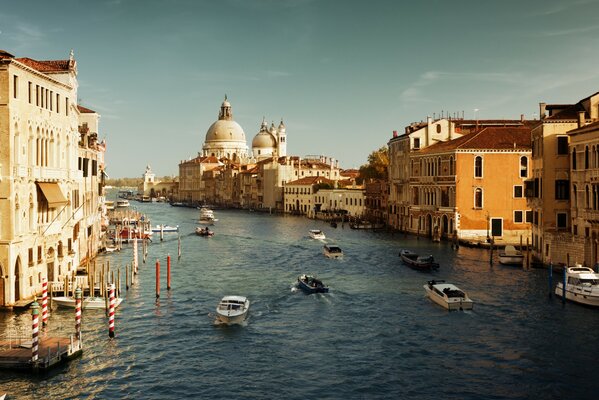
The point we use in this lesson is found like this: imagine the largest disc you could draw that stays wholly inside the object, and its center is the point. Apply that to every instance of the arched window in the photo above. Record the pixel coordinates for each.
(523, 167)
(586, 197)
(574, 196)
(586, 157)
(573, 159)
(478, 167)
(478, 198)
(438, 128)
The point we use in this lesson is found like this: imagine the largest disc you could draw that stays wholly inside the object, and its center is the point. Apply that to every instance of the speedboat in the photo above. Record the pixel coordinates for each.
(447, 295)
(88, 303)
(204, 232)
(582, 285)
(165, 228)
(122, 203)
(310, 284)
(332, 251)
(109, 205)
(207, 216)
(421, 263)
(232, 310)
(317, 234)
(511, 256)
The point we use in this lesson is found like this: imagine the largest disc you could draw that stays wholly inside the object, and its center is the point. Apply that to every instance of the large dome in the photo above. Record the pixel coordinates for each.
(225, 131)
(264, 140)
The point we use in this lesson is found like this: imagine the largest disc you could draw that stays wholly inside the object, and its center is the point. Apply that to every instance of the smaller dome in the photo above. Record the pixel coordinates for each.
(264, 140)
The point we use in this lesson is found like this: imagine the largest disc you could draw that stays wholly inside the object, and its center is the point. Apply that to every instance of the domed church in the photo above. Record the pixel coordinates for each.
(270, 142)
(225, 137)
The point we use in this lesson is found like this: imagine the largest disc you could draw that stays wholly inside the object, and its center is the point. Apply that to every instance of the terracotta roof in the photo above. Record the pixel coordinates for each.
(492, 138)
(85, 110)
(5, 54)
(587, 128)
(46, 66)
(202, 160)
(570, 112)
(310, 180)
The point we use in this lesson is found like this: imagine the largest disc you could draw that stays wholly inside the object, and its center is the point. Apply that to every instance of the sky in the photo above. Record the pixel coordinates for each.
(342, 74)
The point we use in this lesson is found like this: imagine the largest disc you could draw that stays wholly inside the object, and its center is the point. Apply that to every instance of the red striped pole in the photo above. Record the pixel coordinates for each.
(134, 259)
(34, 330)
(111, 312)
(45, 302)
(168, 272)
(78, 296)
(157, 278)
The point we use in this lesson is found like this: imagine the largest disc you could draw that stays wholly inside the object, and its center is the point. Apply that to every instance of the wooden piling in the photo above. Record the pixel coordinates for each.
(527, 255)
(168, 272)
(157, 278)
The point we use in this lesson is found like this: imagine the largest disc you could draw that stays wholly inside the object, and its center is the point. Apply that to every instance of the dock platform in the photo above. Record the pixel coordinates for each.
(16, 353)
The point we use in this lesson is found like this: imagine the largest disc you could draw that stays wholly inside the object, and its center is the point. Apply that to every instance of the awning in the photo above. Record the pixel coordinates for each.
(53, 194)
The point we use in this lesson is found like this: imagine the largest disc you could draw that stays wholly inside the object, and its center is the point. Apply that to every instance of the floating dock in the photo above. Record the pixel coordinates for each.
(16, 353)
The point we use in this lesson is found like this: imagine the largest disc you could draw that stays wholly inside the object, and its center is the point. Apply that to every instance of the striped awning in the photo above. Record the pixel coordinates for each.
(53, 194)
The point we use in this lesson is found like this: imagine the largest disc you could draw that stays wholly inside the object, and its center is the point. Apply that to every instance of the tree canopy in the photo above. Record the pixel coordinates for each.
(376, 168)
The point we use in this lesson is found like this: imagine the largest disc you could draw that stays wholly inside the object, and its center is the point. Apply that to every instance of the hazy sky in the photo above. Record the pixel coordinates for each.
(342, 74)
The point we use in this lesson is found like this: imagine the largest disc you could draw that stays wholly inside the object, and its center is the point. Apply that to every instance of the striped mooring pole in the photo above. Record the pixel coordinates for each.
(134, 259)
(45, 302)
(35, 309)
(111, 312)
(78, 295)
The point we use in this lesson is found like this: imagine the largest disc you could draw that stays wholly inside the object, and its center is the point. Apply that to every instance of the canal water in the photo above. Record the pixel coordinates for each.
(375, 335)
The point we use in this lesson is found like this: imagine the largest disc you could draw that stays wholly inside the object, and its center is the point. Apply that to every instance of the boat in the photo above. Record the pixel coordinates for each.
(207, 216)
(232, 310)
(511, 256)
(135, 233)
(109, 205)
(421, 263)
(317, 234)
(366, 225)
(332, 251)
(122, 203)
(582, 285)
(89, 303)
(165, 228)
(448, 296)
(204, 232)
(311, 284)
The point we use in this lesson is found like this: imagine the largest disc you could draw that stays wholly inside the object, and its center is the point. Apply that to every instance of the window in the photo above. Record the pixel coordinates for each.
(561, 220)
(438, 128)
(562, 189)
(57, 103)
(416, 143)
(562, 145)
(573, 159)
(586, 157)
(29, 92)
(478, 167)
(15, 86)
(518, 217)
(528, 215)
(478, 198)
(94, 168)
(66, 106)
(523, 167)
(518, 191)
(37, 95)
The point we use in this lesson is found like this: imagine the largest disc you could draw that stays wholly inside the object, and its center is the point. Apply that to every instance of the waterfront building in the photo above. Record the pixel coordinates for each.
(46, 205)
(473, 187)
(584, 201)
(376, 195)
(549, 187)
(346, 201)
(191, 178)
(299, 194)
(151, 188)
(417, 136)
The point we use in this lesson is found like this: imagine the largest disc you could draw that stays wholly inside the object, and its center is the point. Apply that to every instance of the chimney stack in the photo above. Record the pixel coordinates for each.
(542, 110)
(581, 119)
(394, 133)
(521, 117)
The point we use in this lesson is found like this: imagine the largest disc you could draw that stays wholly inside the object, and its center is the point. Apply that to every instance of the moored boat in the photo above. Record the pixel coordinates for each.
(122, 203)
(332, 251)
(88, 303)
(207, 216)
(582, 286)
(165, 228)
(421, 263)
(311, 284)
(448, 295)
(232, 309)
(510, 256)
(317, 234)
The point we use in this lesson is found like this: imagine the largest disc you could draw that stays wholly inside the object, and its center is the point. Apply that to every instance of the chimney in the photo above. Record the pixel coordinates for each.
(581, 119)
(521, 117)
(394, 133)
(542, 110)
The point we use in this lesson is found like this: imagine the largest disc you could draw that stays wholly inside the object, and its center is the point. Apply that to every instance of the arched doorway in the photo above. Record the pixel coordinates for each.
(445, 226)
(17, 279)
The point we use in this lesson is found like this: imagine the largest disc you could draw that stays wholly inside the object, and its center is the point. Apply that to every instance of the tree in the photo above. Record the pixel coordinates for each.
(376, 168)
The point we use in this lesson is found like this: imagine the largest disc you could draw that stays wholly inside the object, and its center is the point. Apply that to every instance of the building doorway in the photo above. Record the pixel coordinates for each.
(17, 279)
(2, 291)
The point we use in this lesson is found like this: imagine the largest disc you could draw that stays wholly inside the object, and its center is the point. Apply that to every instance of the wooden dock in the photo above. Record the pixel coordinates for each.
(16, 353)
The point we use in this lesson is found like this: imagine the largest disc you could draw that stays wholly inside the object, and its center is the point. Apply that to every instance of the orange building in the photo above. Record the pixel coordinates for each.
(473, 186)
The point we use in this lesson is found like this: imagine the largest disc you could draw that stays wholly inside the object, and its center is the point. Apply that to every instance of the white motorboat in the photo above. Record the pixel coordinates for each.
(332, 251)
(511, 256)
(89, 303)
(207, 216)
(122, 203)
(582, 285)
(165, 228)
(448, 296)
(232, 310)
(109, 205)
(317, 234)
